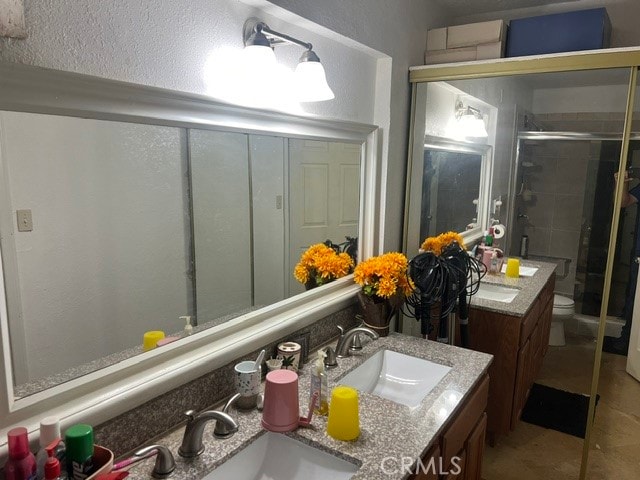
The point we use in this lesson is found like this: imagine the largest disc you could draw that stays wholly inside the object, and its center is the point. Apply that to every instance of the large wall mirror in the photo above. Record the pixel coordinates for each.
(133, 226)
(125, 208)
(558, 130)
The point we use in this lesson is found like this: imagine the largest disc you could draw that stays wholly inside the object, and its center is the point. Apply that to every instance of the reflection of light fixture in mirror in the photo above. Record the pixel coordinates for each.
(470, 121)
(310, 81)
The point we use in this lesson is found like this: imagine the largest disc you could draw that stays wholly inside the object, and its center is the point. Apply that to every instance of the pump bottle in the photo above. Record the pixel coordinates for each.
(319, 385)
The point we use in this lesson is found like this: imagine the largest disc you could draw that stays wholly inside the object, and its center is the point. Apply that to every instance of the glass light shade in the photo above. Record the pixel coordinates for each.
(259, 57)
(311, 83)
(472, 126)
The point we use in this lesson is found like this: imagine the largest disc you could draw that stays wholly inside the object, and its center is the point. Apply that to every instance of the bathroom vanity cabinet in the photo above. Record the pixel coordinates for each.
(462, 437)
(518, 344)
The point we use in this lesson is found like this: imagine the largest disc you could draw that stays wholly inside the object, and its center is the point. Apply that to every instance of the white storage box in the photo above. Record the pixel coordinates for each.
(476, 34)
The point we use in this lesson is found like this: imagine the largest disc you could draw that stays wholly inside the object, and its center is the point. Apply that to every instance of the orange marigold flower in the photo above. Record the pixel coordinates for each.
(384, 275)
(323, 264)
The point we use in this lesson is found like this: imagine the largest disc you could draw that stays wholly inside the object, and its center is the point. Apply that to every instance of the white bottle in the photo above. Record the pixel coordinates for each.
(188, 328)
(49, 431)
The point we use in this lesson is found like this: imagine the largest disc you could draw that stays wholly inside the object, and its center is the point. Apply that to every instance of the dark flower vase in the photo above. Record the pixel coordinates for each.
(377, 311)
(311, 283)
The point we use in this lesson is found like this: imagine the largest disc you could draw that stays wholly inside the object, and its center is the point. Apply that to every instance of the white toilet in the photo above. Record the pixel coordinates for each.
(563, 308)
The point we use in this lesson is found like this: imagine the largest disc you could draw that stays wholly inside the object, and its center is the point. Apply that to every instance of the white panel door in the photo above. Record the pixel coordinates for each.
(633, 357)
(221, 222)
(324, 195)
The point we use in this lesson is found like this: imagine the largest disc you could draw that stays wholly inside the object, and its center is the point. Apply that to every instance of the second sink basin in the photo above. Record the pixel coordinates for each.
(397, 377)
(497, 293)
(276, 456)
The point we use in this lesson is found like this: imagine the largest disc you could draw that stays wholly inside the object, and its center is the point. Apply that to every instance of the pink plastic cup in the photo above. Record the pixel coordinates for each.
(281, 412)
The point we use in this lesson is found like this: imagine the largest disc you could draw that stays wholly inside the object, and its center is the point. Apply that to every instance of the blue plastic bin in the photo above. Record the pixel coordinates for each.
(560, 32)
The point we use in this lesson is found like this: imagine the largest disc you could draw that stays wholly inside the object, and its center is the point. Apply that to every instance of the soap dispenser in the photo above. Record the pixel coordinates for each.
(52, 470)
(188, 328)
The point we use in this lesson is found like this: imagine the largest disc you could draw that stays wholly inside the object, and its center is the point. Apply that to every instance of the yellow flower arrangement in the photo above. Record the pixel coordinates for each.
(321, 264)
(439, 243)
(384, 275)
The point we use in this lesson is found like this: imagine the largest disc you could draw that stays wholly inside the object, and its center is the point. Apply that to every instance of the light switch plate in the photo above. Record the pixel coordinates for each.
(25, 222)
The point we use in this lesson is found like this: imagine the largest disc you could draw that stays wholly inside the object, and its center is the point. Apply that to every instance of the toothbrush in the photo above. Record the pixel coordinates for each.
(135, 459)
(259, 359)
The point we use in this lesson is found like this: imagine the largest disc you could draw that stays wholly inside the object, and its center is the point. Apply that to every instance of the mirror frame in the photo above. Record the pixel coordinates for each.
(101, 395)
(563, 62)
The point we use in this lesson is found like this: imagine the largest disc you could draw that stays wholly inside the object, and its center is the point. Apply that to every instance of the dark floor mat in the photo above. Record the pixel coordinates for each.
(558, 410)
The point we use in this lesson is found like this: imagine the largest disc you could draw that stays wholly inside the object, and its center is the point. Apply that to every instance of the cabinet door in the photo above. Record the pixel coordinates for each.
(523, 376)
(457, 468)
(545, 323)
(475, 449)
(430, 467)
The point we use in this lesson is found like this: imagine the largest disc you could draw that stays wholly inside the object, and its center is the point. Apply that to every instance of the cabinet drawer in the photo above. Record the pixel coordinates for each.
(529, 321)
(456, 435)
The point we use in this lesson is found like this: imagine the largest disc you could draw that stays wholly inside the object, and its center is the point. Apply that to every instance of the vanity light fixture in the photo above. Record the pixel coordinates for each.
(470, 121)
(309, 77)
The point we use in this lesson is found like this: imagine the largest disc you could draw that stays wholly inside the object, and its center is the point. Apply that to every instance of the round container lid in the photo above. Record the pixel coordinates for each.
(49, 430)
(561, 301)
(78, 440)
(18, 443)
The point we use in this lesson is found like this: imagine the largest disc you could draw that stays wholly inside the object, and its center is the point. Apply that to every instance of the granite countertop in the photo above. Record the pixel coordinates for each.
(388, 429)
(529, 289)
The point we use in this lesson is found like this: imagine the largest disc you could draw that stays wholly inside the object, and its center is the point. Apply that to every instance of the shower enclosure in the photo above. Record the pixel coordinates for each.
(563, 200)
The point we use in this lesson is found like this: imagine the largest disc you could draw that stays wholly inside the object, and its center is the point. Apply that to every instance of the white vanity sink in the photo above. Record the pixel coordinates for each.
(276, 456)
(497, 293)
(397, 377)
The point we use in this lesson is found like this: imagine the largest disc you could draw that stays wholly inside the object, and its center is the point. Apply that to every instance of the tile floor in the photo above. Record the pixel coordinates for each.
(531, 452)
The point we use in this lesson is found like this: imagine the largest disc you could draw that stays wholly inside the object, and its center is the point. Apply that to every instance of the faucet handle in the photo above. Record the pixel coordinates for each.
(165, 463)
(221, 429)
(330, 360)
(341, 328)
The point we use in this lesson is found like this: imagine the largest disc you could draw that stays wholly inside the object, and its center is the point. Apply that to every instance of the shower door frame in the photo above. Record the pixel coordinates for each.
(564, 62)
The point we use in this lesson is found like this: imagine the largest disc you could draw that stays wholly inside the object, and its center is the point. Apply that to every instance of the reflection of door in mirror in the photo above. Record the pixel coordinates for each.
(324, 192)
(450, 185)
(135, 225)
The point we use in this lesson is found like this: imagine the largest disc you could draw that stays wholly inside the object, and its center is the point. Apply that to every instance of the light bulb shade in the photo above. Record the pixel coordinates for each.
(472, 126)
(259, 57)
(311, 82)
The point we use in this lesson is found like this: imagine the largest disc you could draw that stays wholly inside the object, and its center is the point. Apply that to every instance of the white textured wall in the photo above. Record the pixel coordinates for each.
(167, 43)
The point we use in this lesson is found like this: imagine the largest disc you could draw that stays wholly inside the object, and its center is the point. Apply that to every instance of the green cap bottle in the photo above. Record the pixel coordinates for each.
(78, 440)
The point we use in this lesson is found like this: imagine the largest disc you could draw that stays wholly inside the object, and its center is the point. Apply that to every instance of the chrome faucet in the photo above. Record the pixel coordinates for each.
(192, 440)
(165, 463)
(342, 349)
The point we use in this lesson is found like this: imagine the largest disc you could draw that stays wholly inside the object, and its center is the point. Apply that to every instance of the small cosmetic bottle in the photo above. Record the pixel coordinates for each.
(22, 463)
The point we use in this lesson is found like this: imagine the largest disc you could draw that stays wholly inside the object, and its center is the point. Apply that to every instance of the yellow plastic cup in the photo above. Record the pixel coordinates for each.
(513, 268)
(344, 418)
(150, 339)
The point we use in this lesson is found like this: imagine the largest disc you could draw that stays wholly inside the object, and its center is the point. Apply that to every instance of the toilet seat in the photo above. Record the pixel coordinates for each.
(563, 306)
